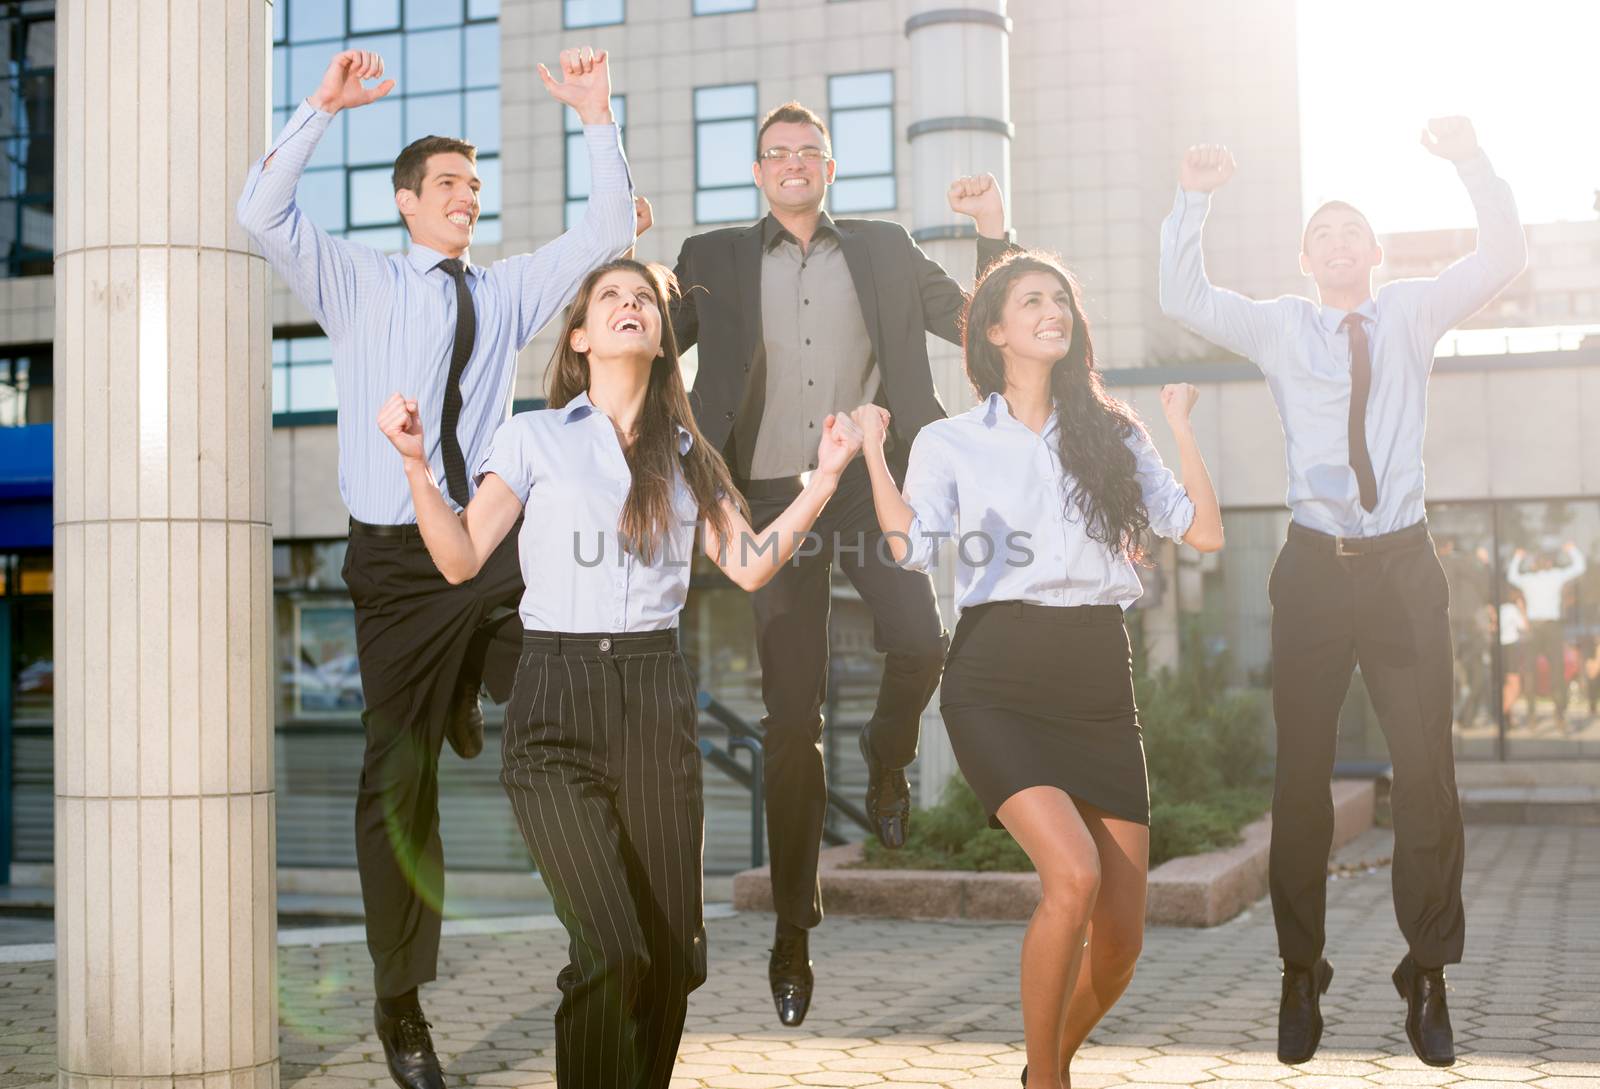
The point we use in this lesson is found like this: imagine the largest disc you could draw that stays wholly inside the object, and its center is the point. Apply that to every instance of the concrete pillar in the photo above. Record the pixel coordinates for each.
(960, 124)
(165, 900)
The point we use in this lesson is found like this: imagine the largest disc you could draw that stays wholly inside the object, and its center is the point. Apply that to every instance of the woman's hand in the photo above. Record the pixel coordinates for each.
(873, 423)
(400, 424)
(1177, 399)
(841, 440)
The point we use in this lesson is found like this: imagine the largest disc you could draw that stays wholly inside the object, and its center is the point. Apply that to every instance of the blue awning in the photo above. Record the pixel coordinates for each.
(26, 486)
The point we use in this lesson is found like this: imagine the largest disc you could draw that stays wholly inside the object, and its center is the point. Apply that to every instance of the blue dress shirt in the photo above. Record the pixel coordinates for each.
(998, 488)
(391, 318)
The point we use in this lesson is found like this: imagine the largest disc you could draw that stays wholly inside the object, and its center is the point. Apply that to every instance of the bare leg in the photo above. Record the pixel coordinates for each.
(1116, 929)
(1046, 824)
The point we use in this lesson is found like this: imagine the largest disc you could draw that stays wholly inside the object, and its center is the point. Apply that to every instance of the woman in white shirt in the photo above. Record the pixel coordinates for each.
(1048, 487)
(599, 759)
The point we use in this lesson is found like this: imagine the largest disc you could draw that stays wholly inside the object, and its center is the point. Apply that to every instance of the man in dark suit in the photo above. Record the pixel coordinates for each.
(796, 317)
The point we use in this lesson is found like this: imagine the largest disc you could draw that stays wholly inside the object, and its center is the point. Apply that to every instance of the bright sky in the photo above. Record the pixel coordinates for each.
(1527, 72)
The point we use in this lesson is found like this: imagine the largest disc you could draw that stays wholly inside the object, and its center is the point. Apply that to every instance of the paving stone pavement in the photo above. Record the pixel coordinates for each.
(923, 1005)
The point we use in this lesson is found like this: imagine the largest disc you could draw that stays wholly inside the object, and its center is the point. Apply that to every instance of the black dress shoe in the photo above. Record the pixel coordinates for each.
(408, 1049)
(789, 973)
(464, 728)
(888, 798)
(1427, 1016)
(1300, 1011)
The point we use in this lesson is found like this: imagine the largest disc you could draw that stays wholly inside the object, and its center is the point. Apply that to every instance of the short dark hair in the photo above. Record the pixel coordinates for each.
(794, 113)
(411, 165)
(1305, 235)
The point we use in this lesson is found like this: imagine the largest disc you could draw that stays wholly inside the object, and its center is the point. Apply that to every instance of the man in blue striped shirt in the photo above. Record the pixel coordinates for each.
(429, 323)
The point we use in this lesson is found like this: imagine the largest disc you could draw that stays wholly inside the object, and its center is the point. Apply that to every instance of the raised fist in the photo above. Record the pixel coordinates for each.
(1450, 138)
(341, 87)
(1205, 167)
(978, 196)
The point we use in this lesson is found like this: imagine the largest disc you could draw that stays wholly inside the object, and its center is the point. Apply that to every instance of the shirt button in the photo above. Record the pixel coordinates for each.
(810, 382)
(605, 646)
(808, 340)
(808, 302)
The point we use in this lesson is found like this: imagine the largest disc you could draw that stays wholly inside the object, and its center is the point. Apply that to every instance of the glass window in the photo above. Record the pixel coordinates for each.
(302, 375)
(724, 144)
(861, 115)
(27, 125)
(577, 153)
(315, 20)
(369, 15)
(26, 393)
(579, 13)
(717, 7)
(445, 58)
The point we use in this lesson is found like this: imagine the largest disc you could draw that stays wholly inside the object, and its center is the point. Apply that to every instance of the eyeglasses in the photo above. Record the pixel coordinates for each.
(807, 154)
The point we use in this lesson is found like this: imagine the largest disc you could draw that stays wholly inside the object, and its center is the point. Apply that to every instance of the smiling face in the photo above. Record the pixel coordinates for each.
(794, 184)
(1340, 251)
(442, 212)
(1036, 322)
(622, 320)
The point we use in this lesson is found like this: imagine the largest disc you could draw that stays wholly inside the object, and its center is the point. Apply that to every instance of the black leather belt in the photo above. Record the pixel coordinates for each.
(1410, 537)
(407, 532)
(590, 644)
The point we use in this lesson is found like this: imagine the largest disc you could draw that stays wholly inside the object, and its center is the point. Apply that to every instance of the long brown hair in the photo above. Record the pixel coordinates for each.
(1093, 425)
(653, 457)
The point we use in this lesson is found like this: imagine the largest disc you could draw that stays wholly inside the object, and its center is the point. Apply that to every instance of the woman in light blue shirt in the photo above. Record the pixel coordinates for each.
(600, 760)
(1047, 488)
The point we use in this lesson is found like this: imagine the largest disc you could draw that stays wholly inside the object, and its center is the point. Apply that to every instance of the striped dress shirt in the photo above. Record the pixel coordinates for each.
(391, 318)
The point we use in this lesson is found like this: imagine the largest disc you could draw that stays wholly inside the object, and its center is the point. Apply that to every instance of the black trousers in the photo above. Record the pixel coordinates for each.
(1547, 639)
(1387, 611)
(417, 638)
(791, 615)
(603, 772)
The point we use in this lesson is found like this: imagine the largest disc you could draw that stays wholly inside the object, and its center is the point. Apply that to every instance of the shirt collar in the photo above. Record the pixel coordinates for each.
(1332, 316)
(580, 407)
(423, 259)
(995, 408)
(773, 232)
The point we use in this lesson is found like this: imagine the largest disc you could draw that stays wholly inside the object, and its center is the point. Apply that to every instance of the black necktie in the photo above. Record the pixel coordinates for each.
(455, 463)
(1360, 387)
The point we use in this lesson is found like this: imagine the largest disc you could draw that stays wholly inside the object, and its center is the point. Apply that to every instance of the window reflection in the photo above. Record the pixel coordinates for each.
(861, 115)
(725, 147)
(580, 13)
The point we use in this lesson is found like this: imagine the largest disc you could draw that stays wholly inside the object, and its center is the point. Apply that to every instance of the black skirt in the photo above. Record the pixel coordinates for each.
(1037, 695)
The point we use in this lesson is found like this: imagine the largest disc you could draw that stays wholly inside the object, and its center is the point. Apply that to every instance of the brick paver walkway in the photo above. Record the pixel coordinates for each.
(934, 1004)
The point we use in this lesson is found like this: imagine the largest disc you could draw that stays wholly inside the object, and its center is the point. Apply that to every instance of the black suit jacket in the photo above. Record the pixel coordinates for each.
(903, 294)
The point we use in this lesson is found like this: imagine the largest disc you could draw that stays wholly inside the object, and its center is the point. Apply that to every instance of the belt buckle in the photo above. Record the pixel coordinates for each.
(1340, 550)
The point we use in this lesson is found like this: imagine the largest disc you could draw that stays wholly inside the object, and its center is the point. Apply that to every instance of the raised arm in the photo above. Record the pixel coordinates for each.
(943, 300)
(751, 560)
(914, 521)
(1465, 287)
(459, 544)
(1226, 318)
(548, 278)
(1186, 507)
(321, 270)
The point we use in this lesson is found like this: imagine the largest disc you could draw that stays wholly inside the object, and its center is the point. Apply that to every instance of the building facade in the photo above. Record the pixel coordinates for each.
(1088, 104)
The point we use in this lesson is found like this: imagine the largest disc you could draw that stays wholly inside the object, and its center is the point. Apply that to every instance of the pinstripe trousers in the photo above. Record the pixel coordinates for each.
(603, 772)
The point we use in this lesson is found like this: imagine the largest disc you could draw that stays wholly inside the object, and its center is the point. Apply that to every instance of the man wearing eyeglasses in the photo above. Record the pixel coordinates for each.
(799, 316)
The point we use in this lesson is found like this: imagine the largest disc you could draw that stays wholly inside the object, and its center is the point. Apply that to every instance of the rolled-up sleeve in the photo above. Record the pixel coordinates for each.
(930, 492)
(1168, 506)
(509, 458)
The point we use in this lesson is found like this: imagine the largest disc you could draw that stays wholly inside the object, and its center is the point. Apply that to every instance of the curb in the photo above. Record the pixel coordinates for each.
(1198, 891)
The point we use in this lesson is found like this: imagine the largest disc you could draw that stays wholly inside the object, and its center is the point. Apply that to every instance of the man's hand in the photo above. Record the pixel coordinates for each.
(1450, 138)
(1177, 399)
(585, 84)
(642, 217)
(873, 423)
(341, 87)
(979, 196)
(400, 424)
(1205, 167)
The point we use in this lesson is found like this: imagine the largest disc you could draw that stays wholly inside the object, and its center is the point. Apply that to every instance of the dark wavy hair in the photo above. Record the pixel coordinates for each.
(1094, 426)
(653, 458)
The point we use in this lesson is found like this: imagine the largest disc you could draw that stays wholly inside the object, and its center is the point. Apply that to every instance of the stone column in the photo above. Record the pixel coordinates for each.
(960, 124)
(165, 899)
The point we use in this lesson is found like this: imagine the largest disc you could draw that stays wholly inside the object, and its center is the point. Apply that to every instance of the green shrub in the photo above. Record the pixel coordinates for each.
(1206, 753)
